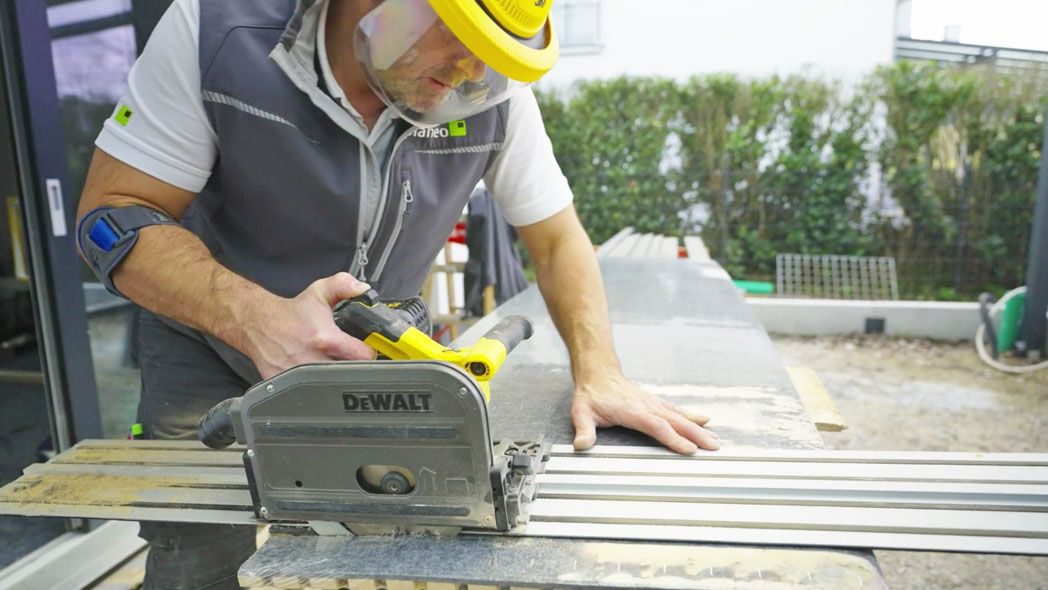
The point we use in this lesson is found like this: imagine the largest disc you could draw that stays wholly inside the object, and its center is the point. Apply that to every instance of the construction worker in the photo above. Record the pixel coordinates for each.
(273, 157)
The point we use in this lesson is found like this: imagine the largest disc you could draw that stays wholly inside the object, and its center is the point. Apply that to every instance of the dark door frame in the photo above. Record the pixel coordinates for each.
(48, 219)
(1034, 321)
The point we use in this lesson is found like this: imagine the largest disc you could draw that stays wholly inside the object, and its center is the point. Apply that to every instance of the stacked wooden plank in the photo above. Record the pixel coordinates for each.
(627, 244)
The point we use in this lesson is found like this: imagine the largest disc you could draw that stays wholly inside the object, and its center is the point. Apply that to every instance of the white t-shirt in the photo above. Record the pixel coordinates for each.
(172, 139)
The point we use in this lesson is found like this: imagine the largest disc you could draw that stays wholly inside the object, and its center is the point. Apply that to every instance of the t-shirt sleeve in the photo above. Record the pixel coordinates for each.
(159, 126)
(525, 179)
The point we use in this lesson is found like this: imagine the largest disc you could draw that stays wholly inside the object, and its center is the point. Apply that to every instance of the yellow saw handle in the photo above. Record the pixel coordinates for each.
(389, 328)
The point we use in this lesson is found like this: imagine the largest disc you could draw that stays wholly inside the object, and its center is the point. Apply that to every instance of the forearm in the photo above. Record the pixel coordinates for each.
(570, 281)
(172, 273)
(169, 270)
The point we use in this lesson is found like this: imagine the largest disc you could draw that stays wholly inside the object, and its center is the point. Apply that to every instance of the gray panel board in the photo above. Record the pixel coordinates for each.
(554, 563)
(675, 322)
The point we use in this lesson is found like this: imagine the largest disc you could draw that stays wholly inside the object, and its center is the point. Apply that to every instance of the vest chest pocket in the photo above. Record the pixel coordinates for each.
(404, 207)
(435, 182)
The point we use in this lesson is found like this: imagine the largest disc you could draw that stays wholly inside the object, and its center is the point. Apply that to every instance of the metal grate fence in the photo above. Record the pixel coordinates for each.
(836, 277)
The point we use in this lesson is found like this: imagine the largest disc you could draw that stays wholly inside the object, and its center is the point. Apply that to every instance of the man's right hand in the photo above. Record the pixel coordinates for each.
(280, 333)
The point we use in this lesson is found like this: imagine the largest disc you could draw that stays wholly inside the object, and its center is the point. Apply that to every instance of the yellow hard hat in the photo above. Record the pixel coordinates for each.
(515, 37)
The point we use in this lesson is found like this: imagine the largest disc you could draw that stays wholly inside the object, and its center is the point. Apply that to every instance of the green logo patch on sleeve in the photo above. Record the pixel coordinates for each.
(457, 128)
(123, 115)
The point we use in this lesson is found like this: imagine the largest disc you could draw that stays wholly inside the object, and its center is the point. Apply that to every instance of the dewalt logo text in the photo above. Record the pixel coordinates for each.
(386, 402)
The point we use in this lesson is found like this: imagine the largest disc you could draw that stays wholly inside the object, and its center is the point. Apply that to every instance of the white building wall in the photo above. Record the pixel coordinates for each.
(904, 18)
(751, 38)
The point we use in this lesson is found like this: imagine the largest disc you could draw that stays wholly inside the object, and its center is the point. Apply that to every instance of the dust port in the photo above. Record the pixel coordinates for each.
(390, 480)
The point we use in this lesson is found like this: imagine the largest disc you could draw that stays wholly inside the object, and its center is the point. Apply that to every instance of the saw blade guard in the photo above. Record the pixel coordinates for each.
(401, 444)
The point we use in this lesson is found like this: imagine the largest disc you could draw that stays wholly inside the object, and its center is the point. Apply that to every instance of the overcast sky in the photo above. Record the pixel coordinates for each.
(1004, 23)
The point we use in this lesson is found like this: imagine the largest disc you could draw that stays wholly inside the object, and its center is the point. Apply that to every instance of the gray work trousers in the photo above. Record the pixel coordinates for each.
(182, 377)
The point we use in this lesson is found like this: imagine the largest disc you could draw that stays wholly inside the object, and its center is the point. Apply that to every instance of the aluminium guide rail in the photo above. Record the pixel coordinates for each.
(967, 502)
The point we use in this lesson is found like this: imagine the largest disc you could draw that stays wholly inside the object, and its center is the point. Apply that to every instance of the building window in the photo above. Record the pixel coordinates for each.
(577, 23)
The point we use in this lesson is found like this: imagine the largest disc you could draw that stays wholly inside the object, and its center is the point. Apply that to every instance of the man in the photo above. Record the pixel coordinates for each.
(271, 156)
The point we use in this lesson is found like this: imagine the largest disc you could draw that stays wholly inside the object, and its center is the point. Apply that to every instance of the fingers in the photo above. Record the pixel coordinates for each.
(692, 415)
(585, 429)
(330, 340)
(661, 430)
(689, 424)
(690, 430)
(338, 287)
(347, 348)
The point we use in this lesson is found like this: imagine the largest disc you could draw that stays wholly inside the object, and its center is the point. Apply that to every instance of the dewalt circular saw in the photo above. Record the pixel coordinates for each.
(389, 445)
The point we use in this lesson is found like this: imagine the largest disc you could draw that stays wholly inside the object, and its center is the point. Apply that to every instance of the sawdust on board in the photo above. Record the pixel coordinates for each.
(49, 493)
(758, 412)
(146, 456)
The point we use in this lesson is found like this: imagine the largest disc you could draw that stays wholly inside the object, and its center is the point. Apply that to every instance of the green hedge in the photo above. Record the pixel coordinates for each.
(936, 166)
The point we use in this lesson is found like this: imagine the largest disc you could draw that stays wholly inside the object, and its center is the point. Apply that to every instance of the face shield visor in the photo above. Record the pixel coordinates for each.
(435, 68)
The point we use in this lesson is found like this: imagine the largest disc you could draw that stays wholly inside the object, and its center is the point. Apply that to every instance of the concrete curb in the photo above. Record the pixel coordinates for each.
(921, 319)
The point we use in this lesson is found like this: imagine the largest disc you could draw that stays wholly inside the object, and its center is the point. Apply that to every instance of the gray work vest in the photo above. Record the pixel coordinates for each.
(283, 204)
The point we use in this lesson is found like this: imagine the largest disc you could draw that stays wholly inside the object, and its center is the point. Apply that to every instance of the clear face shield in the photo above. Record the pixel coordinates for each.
(419, 68)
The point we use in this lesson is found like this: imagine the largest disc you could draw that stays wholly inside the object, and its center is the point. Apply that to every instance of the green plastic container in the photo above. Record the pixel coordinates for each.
(756, 287)
(1011, 321)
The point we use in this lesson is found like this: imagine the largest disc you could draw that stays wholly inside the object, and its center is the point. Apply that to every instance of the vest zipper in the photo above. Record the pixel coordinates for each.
(405, 199)
(362, 248)
(354, 263)
(362, 261)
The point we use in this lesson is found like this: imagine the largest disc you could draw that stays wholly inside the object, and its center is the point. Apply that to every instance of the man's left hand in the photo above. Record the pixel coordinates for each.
(614, 400)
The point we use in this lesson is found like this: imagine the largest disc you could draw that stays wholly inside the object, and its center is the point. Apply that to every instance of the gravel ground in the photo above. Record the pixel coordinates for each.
(919, 395)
